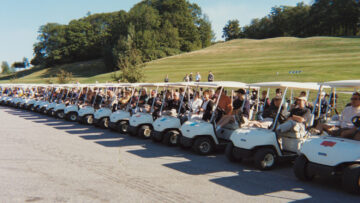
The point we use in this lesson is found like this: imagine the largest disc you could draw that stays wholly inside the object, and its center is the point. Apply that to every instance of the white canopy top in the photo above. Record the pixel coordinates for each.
(344, 83)
(291, 85)
(226, 84)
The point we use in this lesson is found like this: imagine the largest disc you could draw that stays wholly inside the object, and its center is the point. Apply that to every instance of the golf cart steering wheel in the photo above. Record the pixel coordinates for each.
(356, 121)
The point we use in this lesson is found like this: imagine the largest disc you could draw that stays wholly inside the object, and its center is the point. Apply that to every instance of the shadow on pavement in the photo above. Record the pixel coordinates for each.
(244, 178)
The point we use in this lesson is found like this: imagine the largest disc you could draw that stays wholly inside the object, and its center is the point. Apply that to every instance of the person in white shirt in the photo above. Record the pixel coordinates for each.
(197, 77)
(346, 129)
(196, 103)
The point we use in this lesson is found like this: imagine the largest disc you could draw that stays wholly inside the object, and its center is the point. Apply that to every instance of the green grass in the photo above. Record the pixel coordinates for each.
(319, 58)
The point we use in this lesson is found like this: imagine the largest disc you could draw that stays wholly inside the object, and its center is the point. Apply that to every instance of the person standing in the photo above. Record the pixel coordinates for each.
(186, 78)
(198, 77)
(166, 78)
(210, 77)
(191, 77)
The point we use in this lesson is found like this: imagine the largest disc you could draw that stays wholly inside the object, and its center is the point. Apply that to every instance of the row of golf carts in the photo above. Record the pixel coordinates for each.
(121, 107)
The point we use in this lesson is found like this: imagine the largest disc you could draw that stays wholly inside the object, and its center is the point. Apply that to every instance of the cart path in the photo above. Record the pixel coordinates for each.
(43, 159)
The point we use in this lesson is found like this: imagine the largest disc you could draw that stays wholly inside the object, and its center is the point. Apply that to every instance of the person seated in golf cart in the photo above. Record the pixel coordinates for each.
(346, 129)
(196, 103)
(143, 98)
(175, 103)
(299, 116)
(269, 115)
(111, 100)
(157, 103)
(238, 114)
(207, 106)
(123, 101)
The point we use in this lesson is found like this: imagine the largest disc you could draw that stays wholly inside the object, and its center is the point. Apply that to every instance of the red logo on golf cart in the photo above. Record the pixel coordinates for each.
(328, 143)
(138, 116)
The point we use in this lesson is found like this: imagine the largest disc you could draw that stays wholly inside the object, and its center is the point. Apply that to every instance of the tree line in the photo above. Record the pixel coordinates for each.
(321, 18)
(152, 29)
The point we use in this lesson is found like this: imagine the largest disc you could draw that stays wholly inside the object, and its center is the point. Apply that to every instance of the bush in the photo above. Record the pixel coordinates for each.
(64, 77)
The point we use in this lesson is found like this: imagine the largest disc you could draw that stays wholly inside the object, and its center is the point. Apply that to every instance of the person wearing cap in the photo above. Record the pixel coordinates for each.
(238, 103)
(299, 116)
(238, 113)
(346, 129)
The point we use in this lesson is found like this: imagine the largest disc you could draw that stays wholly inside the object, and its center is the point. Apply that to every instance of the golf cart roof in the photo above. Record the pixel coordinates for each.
(291, 85)
(344, 83)
(226, 84)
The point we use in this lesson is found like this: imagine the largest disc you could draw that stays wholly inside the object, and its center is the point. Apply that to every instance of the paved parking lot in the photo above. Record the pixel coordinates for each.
(43, 159)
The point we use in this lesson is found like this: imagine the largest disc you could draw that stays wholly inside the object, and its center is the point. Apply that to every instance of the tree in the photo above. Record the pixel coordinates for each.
(26, 62)
(231, 30)
(5, 68)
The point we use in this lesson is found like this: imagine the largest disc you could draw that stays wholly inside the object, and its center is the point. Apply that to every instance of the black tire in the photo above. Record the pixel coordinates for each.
(229, 153)
(60, 114)
(264, 158)
(351, 179)
(171, 138)
(144, 132)
(157, 139)
(89, 119)
(203, 145)
(123, 126)
(72, 116)
(300, 168)
(104, 123)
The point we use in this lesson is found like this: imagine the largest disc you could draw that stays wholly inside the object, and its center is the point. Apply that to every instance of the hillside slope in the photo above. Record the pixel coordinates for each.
(319, 59)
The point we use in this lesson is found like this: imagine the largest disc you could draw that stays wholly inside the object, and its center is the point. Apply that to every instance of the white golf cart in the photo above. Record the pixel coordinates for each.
(263, 145)
(71, 111)
(167, 127)
(102, 115)
(119, 120)
(332, 156)
(201, 135)
(86, 113)
(60, 107)
(141, 121)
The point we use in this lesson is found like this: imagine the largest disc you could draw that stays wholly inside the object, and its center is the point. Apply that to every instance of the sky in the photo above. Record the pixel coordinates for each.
(20, 19)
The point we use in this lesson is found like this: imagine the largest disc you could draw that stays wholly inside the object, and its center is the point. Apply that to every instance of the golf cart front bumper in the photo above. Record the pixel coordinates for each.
(132, 130)
(157, 135)
(113, 125)
(322, 170)
(81, 119)
(185, 141)
(96, 121)
(242, 153)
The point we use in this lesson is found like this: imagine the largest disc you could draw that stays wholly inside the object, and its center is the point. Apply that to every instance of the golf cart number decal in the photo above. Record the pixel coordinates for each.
(328, 143)
(164, 119)
(193, 124)
(322, 154)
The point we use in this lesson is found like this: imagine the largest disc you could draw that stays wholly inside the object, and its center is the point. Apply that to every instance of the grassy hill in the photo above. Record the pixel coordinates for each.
(319, 59)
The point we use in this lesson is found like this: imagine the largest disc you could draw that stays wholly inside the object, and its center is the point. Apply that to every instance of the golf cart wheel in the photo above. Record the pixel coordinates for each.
(104, 123)
(351, 179)
(89, 120)
(60, 114)
(32, 108)
(264, 158)
(203, 146)
(171, 138)
(123, 127)
(144, 132)
(300, 168)
(229, 153)
(52, 113)
(72, 117)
